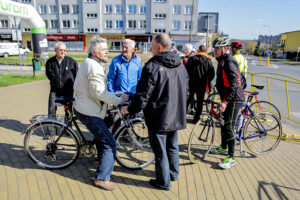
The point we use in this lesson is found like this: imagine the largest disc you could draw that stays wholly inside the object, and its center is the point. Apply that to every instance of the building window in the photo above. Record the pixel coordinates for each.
(54, 24)
(188, 10)
(160, 16)
(26, 1)
(108, 9)
(52, 9)
(75, 9)
(76, 24)
(131, 24)
(143, 9)
(163, 1)
(119, 9)
(176, 9)
(119, 24)
(12, 25)
(91, 15)
(4, 23)
(90, 0)
(131, 9)
(176, 25)
(43, 9)
(143, 24)
(92, 30)
(65, 24)
(160, 30)
(65, 9)
(26, 30)
(46, 23)
(187, 25)
(108, 24)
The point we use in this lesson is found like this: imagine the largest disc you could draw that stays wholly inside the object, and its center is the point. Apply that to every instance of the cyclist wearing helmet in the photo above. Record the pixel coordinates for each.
(242, 61)
(230, 89)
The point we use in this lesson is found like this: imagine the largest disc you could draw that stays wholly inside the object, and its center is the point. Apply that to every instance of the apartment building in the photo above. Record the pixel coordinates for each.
(76, 21)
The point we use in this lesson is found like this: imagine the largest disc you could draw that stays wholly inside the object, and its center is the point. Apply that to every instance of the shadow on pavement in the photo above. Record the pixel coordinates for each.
(264, 187)
(12, 124)
(82, 170)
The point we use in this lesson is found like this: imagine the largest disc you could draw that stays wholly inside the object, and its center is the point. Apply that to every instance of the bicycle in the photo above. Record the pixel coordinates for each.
(261, 132)
(52, 143)
(257, 105)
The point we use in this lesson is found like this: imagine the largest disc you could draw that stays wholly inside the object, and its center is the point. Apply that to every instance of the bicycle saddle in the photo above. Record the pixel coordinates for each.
(260, 87)
(64, 101)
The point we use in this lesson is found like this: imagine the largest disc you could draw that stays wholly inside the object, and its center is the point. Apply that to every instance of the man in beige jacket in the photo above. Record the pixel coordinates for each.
(91, 100)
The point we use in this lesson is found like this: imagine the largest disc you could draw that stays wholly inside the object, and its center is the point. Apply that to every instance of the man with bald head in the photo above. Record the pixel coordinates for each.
(162, 93)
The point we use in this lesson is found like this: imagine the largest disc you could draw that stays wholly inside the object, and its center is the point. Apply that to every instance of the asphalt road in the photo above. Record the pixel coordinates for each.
(278, 87)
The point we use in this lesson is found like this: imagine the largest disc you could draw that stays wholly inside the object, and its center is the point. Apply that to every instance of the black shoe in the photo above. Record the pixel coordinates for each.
(153, 183)
(174, 179)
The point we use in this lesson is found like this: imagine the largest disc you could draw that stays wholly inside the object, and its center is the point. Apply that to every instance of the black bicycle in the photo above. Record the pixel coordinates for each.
(55, 142)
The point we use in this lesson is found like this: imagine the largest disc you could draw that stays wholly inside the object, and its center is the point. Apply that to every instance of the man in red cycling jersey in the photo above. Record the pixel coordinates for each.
(230, 89)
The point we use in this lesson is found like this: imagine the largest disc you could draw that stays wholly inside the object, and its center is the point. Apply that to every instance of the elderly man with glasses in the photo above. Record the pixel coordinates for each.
(61, 71)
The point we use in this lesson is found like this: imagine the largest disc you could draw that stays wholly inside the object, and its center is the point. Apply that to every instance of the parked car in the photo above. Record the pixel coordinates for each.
(12, 49)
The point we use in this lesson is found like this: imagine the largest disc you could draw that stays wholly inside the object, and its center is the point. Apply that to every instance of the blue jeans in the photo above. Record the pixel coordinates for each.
(105, 143)
(165, 147)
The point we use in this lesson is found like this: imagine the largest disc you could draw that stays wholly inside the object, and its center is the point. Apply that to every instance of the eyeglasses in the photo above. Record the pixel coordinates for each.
(62, 50)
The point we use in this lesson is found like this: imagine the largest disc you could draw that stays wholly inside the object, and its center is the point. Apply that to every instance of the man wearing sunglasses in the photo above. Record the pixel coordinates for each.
(61, 71)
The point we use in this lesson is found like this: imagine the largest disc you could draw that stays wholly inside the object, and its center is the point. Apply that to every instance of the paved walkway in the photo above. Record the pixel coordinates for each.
(272, 176)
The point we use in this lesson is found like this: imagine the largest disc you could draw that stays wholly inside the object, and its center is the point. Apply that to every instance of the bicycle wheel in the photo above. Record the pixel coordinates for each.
(259, 106)
(44, 147)
(201, 139)
(133, 146)
(262, 135)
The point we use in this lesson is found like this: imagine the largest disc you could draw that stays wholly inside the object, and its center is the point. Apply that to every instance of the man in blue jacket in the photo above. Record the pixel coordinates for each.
(125, 70)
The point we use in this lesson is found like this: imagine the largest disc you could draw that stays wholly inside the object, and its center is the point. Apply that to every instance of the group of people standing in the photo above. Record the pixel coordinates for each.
(162, 89)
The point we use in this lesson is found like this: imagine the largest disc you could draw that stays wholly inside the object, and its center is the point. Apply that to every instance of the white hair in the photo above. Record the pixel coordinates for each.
(130, 42)
(59, 43)
(188, 47)
(95, 42)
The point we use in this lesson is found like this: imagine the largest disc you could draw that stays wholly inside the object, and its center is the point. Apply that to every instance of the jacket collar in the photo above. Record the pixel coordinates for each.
(132, 57)
(92, 56)
(203, 54)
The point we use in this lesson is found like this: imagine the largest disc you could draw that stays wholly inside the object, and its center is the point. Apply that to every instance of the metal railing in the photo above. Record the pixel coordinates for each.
(286, 80)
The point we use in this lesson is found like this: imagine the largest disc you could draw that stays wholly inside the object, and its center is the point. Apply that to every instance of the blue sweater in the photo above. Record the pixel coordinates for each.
(124, 75)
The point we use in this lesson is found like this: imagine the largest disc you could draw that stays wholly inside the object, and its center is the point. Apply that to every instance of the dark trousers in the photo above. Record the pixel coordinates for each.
(200, 98)
(52, 96)
(165, 147)
(227, 130)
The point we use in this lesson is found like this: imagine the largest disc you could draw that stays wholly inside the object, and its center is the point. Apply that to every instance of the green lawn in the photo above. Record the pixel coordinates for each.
(9, 79)
(15, 59)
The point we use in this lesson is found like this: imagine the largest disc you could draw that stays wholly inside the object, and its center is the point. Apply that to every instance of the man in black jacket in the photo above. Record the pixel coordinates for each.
(201, 72)
(162, 93)
(61, 71)
(230, 89)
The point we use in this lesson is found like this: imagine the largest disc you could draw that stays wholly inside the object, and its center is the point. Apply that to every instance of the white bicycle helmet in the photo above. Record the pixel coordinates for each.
(221, 42)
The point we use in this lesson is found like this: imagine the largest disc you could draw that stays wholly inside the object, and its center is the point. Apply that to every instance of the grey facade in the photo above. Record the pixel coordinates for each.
(115, 17)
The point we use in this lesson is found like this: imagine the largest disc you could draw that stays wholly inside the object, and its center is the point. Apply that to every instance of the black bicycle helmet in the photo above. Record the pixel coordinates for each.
(221, 42)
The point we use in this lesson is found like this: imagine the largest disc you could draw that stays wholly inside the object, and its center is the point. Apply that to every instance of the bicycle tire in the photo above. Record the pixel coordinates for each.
(259, 106)
(134, 154)
(262, 142)
(200, 142)
(38, 143)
